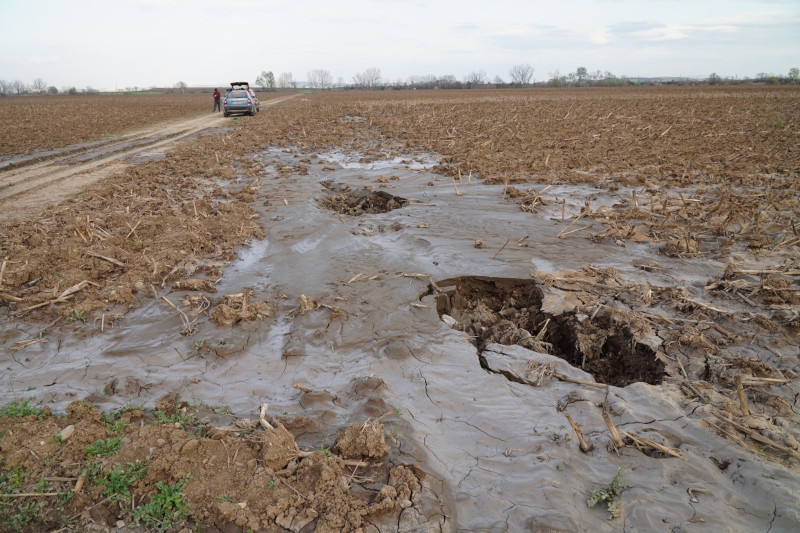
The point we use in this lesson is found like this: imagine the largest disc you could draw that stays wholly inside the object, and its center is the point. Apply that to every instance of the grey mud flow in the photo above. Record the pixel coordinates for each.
(498, 452)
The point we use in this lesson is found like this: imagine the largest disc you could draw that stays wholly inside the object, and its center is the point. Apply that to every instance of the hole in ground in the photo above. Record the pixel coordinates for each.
(355, 203)
(509, 311)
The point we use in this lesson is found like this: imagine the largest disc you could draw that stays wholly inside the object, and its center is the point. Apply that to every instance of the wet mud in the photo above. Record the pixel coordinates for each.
(482, 326)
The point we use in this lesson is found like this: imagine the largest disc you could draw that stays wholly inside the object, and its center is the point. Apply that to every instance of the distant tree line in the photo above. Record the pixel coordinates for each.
(521, 75)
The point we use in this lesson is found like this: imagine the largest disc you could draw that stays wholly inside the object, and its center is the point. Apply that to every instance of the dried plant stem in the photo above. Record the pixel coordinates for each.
(109, 259)
(577, 381)
(570, 225)
(618, 442)
(576, 428)
(501, 249)
(756, 436)
(29, 494)
(742, 396)
(642, 441)
(562, 235)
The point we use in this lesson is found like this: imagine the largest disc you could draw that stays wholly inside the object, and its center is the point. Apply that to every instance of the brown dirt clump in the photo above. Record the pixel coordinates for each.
(236, 309)
(109, 466)
(363, 441)
(355, 203)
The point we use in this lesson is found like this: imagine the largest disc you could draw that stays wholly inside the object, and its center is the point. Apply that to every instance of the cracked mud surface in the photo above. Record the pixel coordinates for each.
(668, 284)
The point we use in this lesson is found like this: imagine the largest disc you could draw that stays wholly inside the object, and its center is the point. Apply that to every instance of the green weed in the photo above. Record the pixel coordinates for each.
(20, 409)
(608, 495)
(76, 315)
(23, 515)
(18, 514)
(166, 508)
(10, 482)
(119, 481)
(119, 425)
(218, 409)
(113, 419)
(106, 448)
(184, 419)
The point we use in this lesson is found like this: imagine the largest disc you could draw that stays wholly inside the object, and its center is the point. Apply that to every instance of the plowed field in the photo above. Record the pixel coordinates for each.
(37, 123)
(647, 238)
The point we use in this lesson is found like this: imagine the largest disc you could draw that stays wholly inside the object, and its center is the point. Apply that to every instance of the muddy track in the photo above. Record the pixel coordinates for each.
(58, 174)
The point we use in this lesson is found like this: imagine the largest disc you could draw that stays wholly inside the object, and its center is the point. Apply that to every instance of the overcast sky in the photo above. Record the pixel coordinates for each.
(126, 43)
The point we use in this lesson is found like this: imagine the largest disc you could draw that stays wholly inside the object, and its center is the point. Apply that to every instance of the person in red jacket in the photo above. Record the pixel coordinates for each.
(216, 100)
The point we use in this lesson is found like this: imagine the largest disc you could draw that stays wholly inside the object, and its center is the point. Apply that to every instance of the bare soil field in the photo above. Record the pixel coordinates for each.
(38, 123)
(438, 311)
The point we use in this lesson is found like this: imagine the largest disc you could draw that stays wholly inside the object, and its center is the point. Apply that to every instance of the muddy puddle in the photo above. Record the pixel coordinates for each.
(390, 287)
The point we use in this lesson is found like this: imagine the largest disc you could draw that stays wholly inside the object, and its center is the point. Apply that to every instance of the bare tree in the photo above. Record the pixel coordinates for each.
(5, 88)
(448, 81)
(285, 80)
(17, 86)
(794, 75)
(475, 79)
(557, 79)
(369, 79)
(425, 81)
(521, 74)
(182, 86)
(320, 78)
(39, 85)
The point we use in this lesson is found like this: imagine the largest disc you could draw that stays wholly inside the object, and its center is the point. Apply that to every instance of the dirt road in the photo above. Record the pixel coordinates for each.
(60, 173)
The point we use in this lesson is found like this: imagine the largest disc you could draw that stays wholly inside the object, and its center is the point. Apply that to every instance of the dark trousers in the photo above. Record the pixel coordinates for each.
(216, 105)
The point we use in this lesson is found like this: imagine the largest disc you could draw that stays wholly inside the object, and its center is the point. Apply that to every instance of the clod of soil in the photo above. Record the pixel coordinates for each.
(236, 309)
(355, 203)
(363, 441)
(610, 345)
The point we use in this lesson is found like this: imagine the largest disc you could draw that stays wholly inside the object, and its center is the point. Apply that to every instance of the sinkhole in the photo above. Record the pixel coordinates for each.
(509, 311)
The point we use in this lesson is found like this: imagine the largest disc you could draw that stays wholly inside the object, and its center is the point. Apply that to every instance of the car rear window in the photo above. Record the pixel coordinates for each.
(237, 94)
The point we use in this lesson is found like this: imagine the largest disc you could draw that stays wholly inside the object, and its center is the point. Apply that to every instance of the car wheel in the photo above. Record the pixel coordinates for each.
(225, 114)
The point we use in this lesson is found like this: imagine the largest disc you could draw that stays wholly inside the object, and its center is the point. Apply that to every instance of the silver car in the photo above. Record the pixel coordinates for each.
(239, 101)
